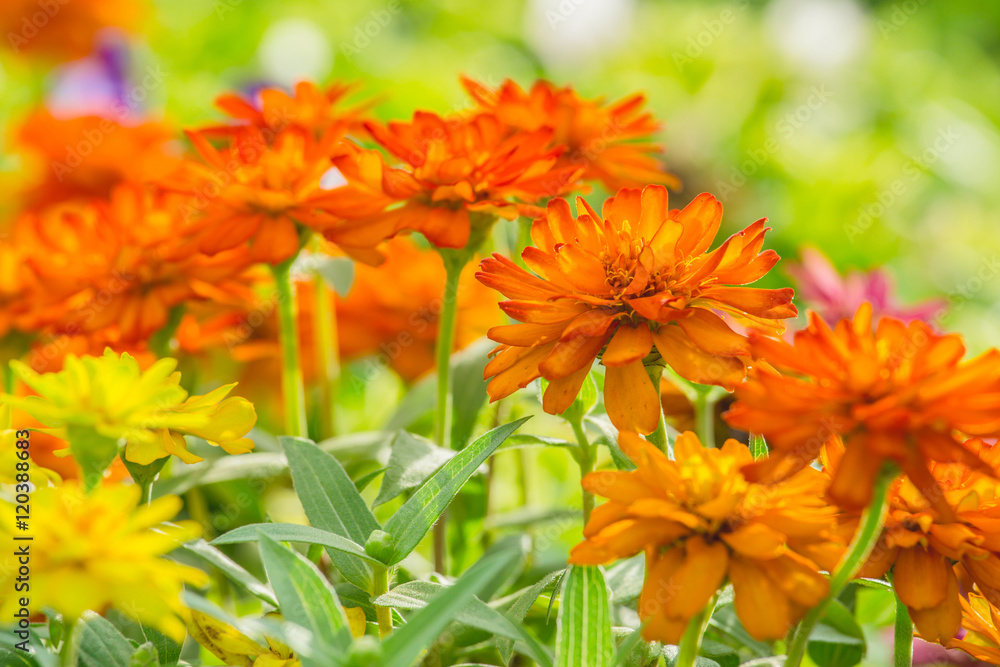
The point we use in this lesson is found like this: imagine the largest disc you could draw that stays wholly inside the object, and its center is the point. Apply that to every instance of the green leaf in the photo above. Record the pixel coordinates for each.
(293, 532)
(99, 644)
(306, 598)
(633, 651)
(412, 461)
(670, 653)
(167, 650)
(771, 661)
(253, 465)
(838, 641)
(583, 627)
(625, 578)
(362, 482)
(144, 656)
(336, 272)
(468, 389)
(879, 584)
(724, 656)
(332, 503)
(475, 613)
(231, 569)
(725, 622)
(758, 446)
(518, 610)
(422, 629)
(609, 438)
(16, 658)
(412, 521)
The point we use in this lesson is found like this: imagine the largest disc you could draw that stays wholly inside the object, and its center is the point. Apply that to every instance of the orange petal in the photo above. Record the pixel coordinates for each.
(631, 400)
(756, 541)
(942, 621)
(760, 604)
(701, 574)
(561, 393)
(921, 577)
(629, 344)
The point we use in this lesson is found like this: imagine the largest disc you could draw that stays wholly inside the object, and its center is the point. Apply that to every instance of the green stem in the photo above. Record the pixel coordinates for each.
(704, 407)
(902, 650)
(585, 459)
(454, 262)
(690, 644)
(861, 547)
(68, 652)
(291, 366)
(380, 586)
(328, 357)
(659, 436)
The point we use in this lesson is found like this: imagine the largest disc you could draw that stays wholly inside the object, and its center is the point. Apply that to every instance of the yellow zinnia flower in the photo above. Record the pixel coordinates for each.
(701, 524)
(105, 399)
(99, 550)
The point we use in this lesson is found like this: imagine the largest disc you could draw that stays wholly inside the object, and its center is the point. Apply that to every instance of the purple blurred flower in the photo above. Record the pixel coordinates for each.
(836, 297)
(96, 85)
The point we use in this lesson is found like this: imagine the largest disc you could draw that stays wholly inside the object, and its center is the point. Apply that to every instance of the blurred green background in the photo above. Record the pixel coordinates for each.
(866, 129)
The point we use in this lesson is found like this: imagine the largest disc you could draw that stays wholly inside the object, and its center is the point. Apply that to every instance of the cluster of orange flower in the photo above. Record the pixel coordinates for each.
(135, 246)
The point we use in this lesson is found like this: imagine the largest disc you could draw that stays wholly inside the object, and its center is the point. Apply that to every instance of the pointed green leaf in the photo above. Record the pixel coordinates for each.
(412, 461)
(475, 613)
(293, 532)
(423, 628)
(16, 658)
(168, 652)
(306, 598)
(583, 630)
(520, 608)
(231, 569)
(99, 644)
(331, 502)
(412, 521)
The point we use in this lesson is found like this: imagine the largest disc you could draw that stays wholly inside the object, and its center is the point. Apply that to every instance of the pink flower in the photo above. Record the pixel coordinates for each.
(835, 297)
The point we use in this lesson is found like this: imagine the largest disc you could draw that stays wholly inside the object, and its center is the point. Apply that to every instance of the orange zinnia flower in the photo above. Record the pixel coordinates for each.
(452, 169)
(310, 109)
(612, 142)
(614, 285)
(900, 393)
(120, 269)
(64, 30)
(922, 543)
(701, 523)
(265, 195)
(88, 156)
(981, 621)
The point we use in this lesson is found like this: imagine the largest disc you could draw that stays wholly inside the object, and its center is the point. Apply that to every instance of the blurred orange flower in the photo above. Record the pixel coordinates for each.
(265, 195)
(611, 141)
(309, 108)
(701, 523)
(89, 156)
(453, 168)
(613, 286)
(899, 393)
(63, 30)
(390, 313)
(392, 310)
(119, 267)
